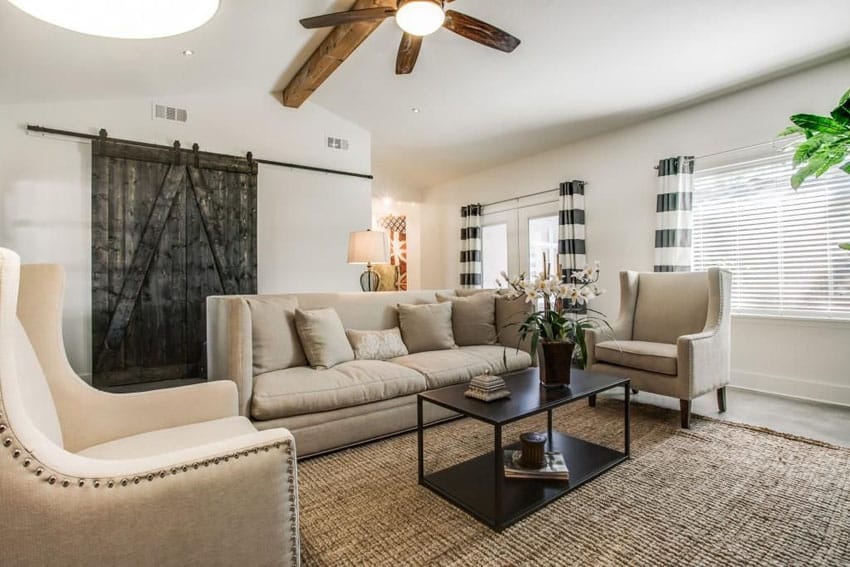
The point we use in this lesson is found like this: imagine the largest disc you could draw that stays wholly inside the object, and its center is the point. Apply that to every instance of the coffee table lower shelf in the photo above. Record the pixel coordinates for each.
(470, 485)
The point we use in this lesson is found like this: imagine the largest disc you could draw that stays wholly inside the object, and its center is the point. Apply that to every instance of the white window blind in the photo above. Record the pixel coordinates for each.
(781, 245)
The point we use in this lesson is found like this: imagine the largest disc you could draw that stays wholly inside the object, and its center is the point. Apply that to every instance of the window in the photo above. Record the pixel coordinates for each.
(542, 238)
(781, 245)
(494, 252)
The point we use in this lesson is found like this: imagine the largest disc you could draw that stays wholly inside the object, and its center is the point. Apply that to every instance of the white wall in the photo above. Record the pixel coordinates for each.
(303, 217)
(797, 358)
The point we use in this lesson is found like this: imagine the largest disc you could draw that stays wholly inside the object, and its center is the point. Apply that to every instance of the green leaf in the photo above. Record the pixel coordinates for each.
(807, 149)
(846, 168)
(844, 246)
(841, 113)
(805, 171)
(820, 124)
(844, 98)
(791, 130)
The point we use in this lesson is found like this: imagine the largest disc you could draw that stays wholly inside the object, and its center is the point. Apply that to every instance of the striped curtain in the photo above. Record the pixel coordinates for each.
(470, 246)
(673, 206)
(571, 236)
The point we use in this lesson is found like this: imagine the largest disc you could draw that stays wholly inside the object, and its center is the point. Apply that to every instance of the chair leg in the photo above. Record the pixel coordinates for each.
(721, 399)
(591, 400)
(685, 412)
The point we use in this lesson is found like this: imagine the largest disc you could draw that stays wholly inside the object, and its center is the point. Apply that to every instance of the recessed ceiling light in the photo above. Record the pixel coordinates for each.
(126, 19)
(415, 110)
(188, 52)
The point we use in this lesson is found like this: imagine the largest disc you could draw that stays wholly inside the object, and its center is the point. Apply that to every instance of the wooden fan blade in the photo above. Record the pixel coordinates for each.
(349, 17)
(408, 52)
(479, 31)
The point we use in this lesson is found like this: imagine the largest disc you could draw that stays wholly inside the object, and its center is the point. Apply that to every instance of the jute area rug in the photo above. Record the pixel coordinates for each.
(719, 494)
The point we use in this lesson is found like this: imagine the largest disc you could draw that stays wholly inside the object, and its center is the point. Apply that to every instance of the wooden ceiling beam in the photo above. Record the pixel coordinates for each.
(334, 49)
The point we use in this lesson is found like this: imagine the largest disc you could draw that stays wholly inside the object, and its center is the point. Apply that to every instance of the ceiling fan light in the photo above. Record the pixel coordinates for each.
(420, 17)
(124, 19)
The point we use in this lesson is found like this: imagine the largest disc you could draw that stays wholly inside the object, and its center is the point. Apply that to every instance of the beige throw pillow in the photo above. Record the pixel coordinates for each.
(473, 318)
(376, 345)
(323, 337)
(274, 338)
(426, 327)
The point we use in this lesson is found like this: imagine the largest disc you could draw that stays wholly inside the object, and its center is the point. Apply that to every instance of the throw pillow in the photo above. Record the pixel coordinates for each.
(426, 327)
(376, 345)
(274, 341)
(473, 318)
(323, 337)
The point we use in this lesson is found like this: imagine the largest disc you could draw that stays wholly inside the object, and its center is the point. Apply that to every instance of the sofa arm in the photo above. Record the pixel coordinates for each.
(234, 502)
(704, 361)
(230, 346)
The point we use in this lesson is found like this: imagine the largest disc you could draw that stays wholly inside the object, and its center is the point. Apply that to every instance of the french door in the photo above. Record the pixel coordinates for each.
(515, 239)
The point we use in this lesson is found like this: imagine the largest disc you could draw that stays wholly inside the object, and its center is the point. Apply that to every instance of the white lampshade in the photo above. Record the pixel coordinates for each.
(125, 19)
(420, 17)
(368, 247)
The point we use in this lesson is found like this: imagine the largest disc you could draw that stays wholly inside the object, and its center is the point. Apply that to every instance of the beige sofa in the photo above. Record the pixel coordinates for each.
(354, 401)
(167, 477)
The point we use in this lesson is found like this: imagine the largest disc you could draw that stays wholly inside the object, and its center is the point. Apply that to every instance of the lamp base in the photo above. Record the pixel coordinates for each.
(370, 280)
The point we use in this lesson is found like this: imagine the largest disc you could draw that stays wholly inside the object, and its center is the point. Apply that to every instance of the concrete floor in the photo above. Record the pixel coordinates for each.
(815, 420)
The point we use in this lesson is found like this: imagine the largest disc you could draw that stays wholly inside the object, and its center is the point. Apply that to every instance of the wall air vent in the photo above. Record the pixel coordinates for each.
(337, 143)
(163, 112)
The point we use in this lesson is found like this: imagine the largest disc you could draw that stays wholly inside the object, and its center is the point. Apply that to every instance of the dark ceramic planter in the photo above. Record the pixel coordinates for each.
(555, 359)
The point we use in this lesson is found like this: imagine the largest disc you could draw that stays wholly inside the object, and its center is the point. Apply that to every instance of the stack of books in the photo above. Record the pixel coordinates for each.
(487, 388)
(554, 467)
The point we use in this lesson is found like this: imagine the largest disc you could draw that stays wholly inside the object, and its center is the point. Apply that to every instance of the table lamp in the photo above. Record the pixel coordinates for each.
(369, 247)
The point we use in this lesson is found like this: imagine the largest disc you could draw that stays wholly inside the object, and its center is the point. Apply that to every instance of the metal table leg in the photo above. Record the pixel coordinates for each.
(420, 439)
(627, 430)
(498, 476)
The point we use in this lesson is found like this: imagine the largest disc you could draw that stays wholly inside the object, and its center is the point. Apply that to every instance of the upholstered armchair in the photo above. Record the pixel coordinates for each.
(672, 336)
(169, 477)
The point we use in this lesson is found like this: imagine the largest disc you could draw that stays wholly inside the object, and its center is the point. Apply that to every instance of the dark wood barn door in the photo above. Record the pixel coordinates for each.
(169, 228)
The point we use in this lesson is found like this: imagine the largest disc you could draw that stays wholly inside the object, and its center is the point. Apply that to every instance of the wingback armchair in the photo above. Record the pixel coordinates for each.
(672, 336)
(169, 477)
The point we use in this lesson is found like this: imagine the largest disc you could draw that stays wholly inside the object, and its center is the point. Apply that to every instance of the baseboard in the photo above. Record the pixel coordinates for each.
(811, 390)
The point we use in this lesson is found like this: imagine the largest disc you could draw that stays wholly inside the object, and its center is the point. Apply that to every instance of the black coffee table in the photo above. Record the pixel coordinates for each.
(479, 486)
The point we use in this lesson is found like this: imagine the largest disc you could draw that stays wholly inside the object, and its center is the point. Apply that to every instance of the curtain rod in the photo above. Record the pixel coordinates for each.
(525, 196)
(69, 133)
(775, 143)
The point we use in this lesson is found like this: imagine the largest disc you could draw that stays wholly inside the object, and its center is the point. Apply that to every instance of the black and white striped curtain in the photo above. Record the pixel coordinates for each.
(673, 252)
(571, 236)
(470, 246)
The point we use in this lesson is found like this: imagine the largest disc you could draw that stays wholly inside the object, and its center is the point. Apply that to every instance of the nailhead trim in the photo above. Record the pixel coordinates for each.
(96, 483)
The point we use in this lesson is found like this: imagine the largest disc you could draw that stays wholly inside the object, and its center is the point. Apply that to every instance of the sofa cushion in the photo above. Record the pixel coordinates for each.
(426, 327)
(670, 305)
(162, 441)
(473, 318)
(643, 355)
(444, 367)
(500, 359)
(376, 345)
(274, 338)
(302, 390)
(323, 337)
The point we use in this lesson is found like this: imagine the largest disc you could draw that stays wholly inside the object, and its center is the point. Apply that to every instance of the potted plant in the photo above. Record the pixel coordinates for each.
(558, 327)
(826, 144)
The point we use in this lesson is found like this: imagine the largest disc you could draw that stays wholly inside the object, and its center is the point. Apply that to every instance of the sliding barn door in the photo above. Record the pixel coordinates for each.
(169, 228)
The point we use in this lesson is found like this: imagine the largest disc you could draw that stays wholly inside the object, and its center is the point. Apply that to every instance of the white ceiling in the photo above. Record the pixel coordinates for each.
(582, 68)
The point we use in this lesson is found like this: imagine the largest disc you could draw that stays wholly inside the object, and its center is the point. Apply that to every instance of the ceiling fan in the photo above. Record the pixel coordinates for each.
(418, 18)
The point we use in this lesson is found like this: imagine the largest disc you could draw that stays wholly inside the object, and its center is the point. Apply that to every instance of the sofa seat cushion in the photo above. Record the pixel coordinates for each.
(643, 355)
(162, 441)
(500, 359)
(301, 390)
(444, 367)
